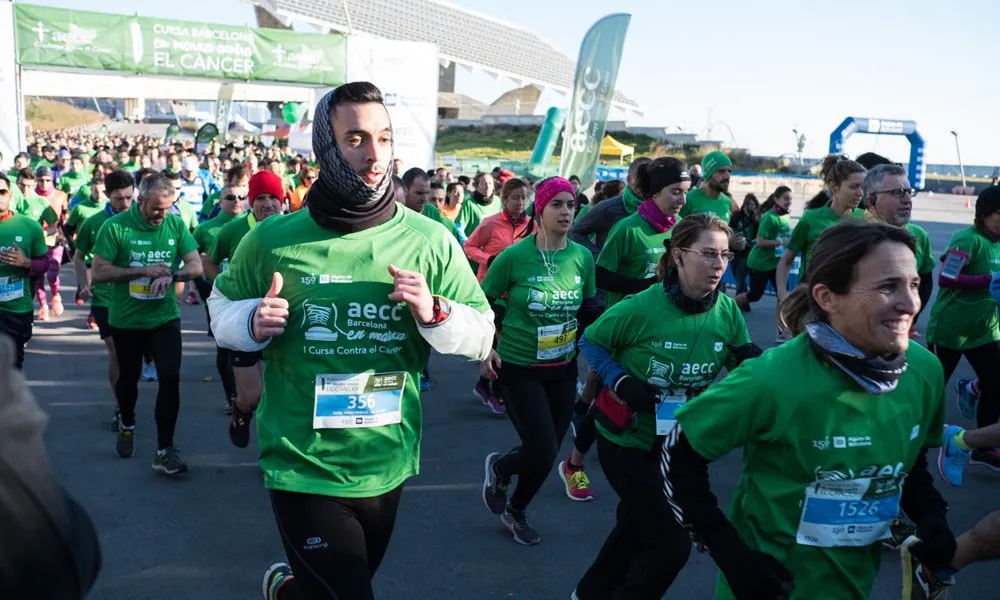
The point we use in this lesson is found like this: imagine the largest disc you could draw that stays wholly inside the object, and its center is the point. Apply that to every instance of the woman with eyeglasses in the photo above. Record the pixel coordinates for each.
(547, 280)
(964, 318)
(627, 265)
(654, 351)
(844, 179)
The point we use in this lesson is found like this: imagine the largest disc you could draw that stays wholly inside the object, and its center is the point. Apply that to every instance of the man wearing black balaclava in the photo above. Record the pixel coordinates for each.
(345, 300)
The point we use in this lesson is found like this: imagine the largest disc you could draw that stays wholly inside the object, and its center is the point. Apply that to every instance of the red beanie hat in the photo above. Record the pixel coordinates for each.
(265, 182)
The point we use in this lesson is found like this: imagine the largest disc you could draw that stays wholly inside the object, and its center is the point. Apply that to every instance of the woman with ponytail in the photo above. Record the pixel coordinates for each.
(653, 352)
(844, 178)
(830, 425)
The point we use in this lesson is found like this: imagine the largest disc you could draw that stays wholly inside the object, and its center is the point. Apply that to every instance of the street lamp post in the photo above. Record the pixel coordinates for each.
(800, 144)
(961, 167)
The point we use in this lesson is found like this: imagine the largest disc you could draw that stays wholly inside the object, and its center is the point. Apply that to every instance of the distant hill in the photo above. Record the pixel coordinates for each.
(45, 114)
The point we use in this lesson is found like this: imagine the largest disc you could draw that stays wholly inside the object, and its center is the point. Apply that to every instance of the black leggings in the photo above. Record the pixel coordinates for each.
(540, 404)
(586, 431)
(985, 361)
(758, 283)
(333, 545)
(224, 364)
(164, 345)
(647, 548)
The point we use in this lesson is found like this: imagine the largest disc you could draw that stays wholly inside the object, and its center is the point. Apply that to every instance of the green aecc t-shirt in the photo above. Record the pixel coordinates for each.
(544, 293)
(632, 249)
(672, 350)
(824, 461)
(127, 240)
(341, 414)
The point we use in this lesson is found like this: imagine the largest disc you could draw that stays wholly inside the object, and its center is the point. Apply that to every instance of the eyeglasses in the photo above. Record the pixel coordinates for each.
(233, 197)
(899, 193)
(710, 256)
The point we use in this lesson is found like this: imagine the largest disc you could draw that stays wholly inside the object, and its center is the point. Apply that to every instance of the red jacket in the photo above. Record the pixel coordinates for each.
(494, 233)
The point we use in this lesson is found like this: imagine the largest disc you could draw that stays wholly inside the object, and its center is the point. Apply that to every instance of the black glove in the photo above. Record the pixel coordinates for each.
(638, 395)
(755, 575)
(936, 548)
(745, 352)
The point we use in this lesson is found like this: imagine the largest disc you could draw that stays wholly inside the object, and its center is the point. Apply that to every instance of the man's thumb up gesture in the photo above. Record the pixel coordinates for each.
(272, 313)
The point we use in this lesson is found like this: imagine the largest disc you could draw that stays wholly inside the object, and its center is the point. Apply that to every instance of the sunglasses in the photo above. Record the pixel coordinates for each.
(233, 197)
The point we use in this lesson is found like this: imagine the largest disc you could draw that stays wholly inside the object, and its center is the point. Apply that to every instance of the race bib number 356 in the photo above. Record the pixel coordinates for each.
(359, 400)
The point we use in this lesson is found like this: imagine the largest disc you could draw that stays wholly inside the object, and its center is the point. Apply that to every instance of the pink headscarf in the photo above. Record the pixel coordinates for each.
(549, 189)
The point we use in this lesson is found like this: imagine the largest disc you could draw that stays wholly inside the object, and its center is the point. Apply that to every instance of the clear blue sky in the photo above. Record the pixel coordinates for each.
(768, 66)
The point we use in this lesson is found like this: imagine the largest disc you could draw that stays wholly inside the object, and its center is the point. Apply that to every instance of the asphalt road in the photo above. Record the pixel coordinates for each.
(210, 535)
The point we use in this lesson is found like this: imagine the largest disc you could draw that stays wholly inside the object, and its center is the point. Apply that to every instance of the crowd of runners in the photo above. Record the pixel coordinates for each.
(328, 280)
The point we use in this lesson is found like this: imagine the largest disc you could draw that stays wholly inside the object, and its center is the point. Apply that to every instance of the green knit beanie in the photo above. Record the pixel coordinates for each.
(712, 161)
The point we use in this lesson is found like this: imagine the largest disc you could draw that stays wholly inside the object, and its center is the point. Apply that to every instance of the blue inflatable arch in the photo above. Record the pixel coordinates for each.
(852, 125)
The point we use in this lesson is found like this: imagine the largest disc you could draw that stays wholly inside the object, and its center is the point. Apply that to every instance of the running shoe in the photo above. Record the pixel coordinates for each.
(57, 305)
(952, 459)
(986, 458)
(192, 298)
(169, 462)
(276, 576)
(968, 399)
(482, 392)
(930, 585)
(425, 383)
(494, 486)
(125, 442)
(577, 483)
(239, 428)
(92, 323)
(115, 421)
(43, 313)
(899, 531)
(149, 371)
(497, 405)
(517, 523)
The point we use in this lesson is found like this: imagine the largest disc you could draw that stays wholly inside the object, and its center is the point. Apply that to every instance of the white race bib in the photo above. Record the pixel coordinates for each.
(360, 400)
(142, 289)
(11, 288)
(670, 401)
(849, 512)
(556, 341)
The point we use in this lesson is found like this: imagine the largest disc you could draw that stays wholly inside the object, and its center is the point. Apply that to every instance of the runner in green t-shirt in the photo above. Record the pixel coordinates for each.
(546, 278)
(22, 251)
(844, 178)
(119, 187)
(74, 179)
(831, 424)
(964, 320)
(189, 216)
(231, 207)
(712, 196)
(266, 201)
(481, 204)
(653, 351)
(136, 251)
(321, 292)
(773, 233)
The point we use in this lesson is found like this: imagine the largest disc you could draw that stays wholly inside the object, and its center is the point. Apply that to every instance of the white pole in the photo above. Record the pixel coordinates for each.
(961, 167)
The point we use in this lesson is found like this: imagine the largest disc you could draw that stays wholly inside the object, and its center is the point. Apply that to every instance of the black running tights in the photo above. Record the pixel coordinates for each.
(333, 545)
(985, 361)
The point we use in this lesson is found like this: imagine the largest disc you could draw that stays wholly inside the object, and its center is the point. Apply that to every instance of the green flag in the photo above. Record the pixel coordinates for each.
(206, 133)
(593, 90)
